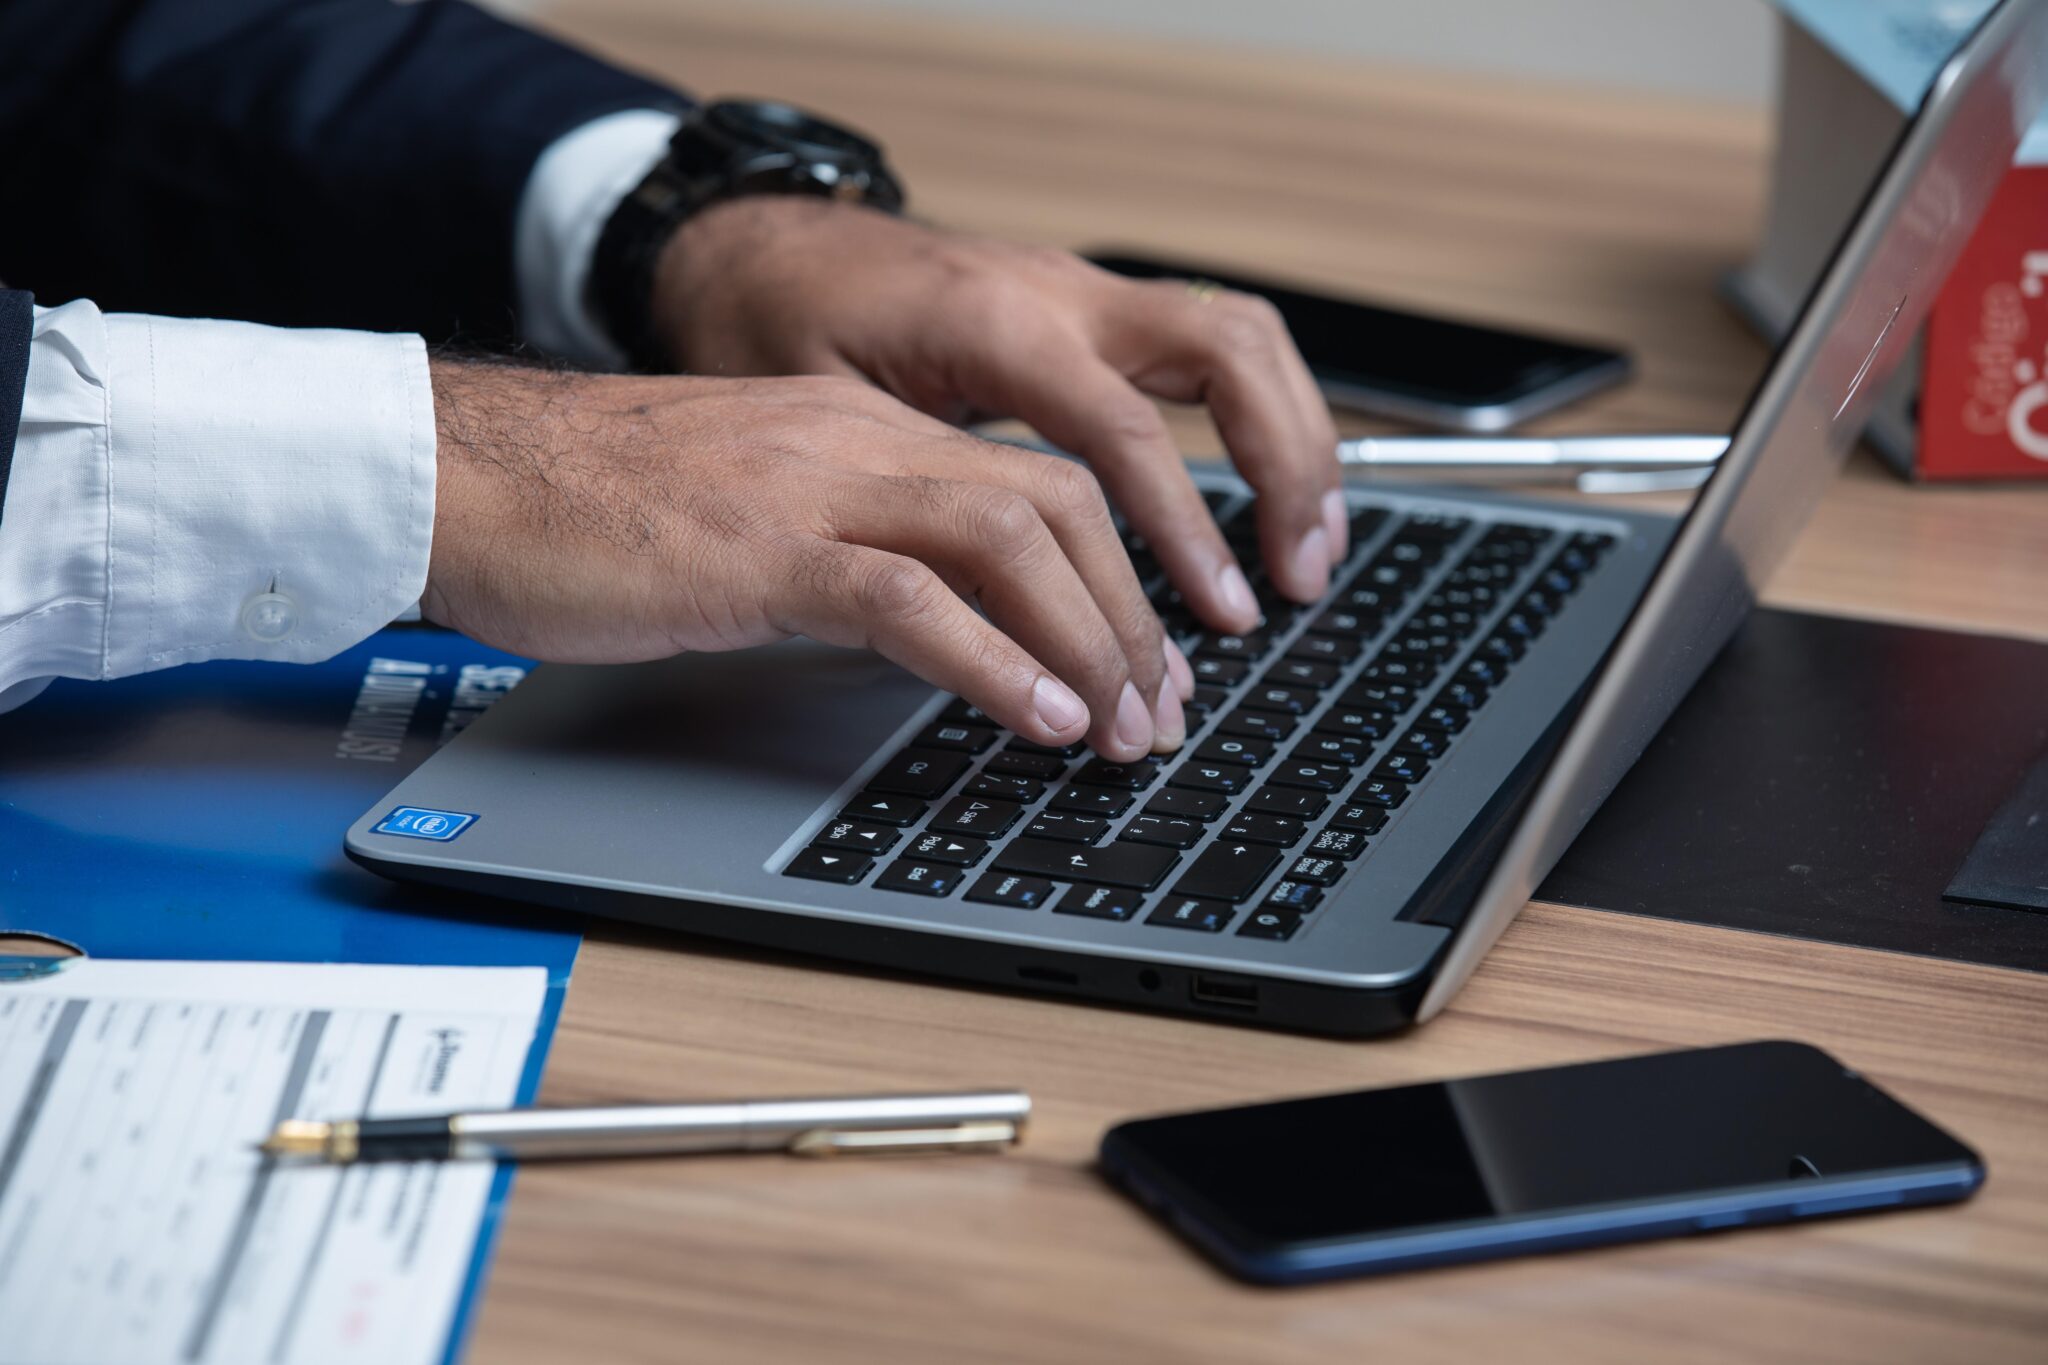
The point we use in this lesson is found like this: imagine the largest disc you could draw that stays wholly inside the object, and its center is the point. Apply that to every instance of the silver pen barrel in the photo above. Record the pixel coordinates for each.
(738, 1126)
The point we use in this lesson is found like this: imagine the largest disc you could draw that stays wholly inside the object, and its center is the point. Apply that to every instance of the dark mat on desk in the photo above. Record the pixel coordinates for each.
(1826, 780)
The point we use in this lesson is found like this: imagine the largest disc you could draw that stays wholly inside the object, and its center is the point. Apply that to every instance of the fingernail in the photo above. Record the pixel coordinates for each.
(1057, 705)
(1178, 672)
(1237, 591)
(1312, 561)
(1337, 521)
(1169, 722)
(1133, 721)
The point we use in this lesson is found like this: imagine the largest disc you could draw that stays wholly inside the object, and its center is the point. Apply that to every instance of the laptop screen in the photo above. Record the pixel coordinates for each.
(1802, 420)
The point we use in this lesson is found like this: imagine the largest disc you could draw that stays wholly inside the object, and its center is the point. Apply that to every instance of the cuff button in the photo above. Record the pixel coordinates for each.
(270, 616)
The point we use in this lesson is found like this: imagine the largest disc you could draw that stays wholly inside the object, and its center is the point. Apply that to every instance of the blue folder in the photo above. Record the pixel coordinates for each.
(197, 814)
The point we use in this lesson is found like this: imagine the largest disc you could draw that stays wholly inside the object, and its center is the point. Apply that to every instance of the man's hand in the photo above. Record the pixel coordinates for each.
(601, 518)
(961, 326)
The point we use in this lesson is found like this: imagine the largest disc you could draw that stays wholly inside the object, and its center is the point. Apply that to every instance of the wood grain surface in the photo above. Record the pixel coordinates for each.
(1602, 215)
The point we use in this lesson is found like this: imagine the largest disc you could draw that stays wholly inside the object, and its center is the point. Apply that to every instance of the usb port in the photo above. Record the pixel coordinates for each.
(1217, 990)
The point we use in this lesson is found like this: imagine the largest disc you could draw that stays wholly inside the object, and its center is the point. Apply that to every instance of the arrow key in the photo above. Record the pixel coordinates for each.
(829, 865)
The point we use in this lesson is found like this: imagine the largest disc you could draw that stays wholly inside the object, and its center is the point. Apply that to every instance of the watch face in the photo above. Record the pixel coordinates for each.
(794, 130)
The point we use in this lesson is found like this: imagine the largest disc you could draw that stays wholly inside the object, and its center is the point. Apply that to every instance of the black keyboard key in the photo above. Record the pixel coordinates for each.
(1377, 695)
(1227, 872)
(946, 734)
(1100, 902)
(1100, 772)
(1168, 831)
(1257, 725)
(859, 836)
(1191, 912)
(1379, 791)
(959, 850)
(967, 713)
(1205, 700)
(1219, 672)
(1005, 888)
(1012, 763)
(1328, 649)
(1462, 695)
(1366, 724)
(1349, 750)
(884, 810)
(829, 865)
(1025, 746)
(1072, 829)
(1252, 828)
(972, 815)
(1338, 621)
(1365, 522)
(1239, 749)
(1504, 650)
(1090, 801)
(1211, 777)
(1445, 720)
(1338, 843)
(996, 787)
(1482, 672)
(1116, 864)
(1292, 896)
(1250, 646)
(1296, 805)
(1316, 871)
(1192, 805)
(1402, 767)
(924, 773)
(1360, 819)
(1291, 701)
(1424, 741)
(919, 879)
(1370, 600)
(1414, 672)
(1299, 673)
(1315, 777)
(1273, 924)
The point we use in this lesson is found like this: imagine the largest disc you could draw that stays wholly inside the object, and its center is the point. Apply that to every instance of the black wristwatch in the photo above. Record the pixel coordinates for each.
(722, 151)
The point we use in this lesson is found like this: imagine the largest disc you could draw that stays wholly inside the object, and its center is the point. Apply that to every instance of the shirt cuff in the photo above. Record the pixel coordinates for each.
(576, 185)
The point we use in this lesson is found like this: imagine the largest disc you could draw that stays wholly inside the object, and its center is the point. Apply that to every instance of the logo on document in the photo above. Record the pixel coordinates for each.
(412, 822)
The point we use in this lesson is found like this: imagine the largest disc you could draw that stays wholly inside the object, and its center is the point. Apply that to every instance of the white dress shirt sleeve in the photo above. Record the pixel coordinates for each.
(188, 490)
(570, 195)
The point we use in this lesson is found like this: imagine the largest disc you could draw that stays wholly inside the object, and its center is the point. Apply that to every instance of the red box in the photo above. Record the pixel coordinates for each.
(1984, 388)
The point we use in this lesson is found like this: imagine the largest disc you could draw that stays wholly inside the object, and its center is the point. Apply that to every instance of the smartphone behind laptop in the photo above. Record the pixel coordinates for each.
(1574, 1156)
(1457, 376)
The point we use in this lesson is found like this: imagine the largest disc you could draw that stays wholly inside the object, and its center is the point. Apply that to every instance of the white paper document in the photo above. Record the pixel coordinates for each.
(138, 1224)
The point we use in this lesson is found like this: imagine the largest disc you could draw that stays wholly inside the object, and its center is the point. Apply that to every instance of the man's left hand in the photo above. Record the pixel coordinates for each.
(966, 327)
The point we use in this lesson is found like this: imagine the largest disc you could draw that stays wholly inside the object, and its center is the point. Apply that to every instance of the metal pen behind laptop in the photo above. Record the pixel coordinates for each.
(972, 1121)
(1599, 464)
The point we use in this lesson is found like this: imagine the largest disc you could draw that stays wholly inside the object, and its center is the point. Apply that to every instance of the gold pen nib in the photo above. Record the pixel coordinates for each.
(298, 1137)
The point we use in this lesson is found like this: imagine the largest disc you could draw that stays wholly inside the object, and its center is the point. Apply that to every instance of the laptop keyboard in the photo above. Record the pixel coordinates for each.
(1306, 738)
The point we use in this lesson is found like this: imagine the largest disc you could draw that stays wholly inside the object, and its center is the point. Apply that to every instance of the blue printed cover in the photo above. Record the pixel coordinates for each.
(197, 813)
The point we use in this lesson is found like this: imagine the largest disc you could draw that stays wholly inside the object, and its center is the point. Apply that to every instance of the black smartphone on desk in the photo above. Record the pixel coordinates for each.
(1574, 1156)
(1456, 376)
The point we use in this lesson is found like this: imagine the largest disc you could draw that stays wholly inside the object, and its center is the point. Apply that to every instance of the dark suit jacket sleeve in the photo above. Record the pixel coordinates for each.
(17, 321)
(344, 163)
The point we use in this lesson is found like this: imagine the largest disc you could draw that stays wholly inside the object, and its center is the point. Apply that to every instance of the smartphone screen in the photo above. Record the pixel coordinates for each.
(1405, 365)
(1468, 1169)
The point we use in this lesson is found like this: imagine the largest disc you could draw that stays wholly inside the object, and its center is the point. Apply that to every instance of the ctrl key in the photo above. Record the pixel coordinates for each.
(829, 865)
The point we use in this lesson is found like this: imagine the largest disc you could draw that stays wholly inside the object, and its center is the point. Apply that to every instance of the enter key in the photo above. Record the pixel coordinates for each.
(1228, 871)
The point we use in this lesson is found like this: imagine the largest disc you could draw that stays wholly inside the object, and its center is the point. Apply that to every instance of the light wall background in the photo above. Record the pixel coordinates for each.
(1718, 49)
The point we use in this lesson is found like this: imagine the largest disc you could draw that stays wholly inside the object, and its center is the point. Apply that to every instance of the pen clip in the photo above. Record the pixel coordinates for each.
(962, 1137)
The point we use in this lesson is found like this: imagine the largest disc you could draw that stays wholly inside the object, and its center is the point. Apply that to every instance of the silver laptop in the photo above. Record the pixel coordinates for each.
(1372, 786)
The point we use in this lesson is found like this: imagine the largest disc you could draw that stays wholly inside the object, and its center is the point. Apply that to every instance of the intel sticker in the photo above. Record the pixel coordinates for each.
(411, 822)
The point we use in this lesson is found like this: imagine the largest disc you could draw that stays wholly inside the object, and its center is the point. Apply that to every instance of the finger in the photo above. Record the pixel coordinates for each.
(864, 598)
(992, 544)
(1054, 381)
(1069, 500)
(1233, 353)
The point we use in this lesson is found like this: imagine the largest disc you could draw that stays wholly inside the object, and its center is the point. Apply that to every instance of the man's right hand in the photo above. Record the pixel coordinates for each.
(611, 518)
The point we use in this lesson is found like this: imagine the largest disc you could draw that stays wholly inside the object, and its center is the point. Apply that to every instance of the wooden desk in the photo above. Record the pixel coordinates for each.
(1587, 213)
